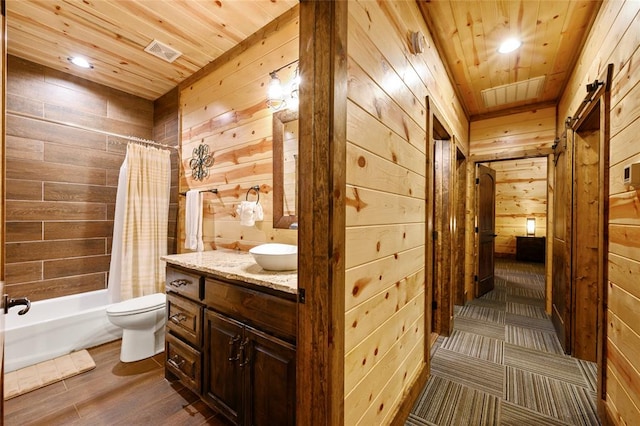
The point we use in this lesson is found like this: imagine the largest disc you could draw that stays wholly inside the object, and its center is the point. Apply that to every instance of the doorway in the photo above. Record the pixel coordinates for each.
(520, 203)
(579, 237)
(446, 247)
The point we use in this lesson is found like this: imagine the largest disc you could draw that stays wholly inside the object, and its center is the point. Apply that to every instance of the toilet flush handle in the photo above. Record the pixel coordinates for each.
(10, 302)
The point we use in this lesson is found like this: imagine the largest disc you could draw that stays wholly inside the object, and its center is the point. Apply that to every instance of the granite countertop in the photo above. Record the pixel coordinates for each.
(235, 265)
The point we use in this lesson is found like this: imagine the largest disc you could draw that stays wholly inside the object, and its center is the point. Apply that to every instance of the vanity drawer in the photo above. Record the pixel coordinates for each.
(184, 361)
(267, 312)
(184, 318)
(184, 283)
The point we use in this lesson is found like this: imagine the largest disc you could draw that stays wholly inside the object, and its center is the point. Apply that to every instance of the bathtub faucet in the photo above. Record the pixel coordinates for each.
(10, 302)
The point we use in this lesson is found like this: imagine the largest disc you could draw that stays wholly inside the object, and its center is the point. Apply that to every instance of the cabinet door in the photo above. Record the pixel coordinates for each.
(223, 380)
(270, 380)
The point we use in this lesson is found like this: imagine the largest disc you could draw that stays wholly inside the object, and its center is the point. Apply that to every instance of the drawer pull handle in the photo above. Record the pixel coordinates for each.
(244, 355)
(179, 283)
(176, 362)
(178, 318)
(232, 344)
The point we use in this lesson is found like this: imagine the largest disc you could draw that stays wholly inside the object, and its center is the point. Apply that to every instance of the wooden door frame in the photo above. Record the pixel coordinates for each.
(321, 226)
(459, 227)
(472, 248)
(600, 97)
(438, 129)
(3, 84)
(561, 247)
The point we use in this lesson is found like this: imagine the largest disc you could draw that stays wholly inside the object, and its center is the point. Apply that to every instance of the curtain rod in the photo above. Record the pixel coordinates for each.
(89, 129)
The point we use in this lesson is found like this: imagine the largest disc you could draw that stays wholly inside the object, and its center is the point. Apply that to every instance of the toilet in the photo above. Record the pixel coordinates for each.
(142, 320)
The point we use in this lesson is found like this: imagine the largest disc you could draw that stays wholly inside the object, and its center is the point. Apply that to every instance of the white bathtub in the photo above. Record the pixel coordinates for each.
(57, 327)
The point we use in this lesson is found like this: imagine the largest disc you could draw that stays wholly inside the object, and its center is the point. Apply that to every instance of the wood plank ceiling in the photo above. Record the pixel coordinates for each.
(113, 35)
(468, 34)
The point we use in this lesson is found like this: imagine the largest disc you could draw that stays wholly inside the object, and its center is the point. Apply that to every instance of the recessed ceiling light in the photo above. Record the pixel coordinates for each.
(81, 62)
(509, 45)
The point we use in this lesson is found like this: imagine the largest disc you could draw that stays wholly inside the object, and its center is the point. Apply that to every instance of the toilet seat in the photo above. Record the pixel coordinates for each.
(138, 305)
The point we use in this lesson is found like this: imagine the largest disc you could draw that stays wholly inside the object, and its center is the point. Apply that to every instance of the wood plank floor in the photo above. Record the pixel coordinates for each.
(114, 393)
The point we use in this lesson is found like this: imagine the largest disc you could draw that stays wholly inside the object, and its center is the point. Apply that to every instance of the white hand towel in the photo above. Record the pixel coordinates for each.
(193, 221)
(249, 212)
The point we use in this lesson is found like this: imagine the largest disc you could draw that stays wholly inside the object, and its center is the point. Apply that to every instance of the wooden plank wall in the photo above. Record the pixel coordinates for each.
(61, 182)
(226, 110)
(385, 198)
(521, 193)
(166, 130)
(524, 134)
(614, 39)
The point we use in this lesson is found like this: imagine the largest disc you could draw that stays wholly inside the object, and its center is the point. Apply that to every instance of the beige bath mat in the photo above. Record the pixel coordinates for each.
(36, 376)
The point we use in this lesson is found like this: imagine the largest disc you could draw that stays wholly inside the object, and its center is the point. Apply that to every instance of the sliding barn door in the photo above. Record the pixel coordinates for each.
(588, 251)
(486, 192)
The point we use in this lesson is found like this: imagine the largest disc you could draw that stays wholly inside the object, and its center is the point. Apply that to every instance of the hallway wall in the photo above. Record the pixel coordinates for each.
(523, 134)
(615, 38)
(386, 166)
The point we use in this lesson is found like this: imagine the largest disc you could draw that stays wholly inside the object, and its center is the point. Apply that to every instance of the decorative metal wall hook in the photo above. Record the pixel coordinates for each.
(200, 162)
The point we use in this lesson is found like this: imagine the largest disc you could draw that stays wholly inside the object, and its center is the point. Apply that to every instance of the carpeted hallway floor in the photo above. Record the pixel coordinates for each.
(503, 364)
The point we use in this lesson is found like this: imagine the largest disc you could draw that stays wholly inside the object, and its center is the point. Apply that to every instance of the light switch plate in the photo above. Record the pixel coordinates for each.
(632, 175)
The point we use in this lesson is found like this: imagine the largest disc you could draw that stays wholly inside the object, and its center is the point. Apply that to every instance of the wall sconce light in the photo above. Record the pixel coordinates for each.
(275, 93)
(531, 227)
(277, 96)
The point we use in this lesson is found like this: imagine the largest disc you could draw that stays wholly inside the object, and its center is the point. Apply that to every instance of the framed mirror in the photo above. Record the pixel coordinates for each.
(285, 169)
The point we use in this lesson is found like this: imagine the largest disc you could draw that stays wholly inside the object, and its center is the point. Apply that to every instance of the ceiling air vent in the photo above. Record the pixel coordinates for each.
(162, 51)
(515, 92)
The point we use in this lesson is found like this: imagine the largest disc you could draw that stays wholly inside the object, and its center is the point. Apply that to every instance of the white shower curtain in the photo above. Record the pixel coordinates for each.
(140, 224)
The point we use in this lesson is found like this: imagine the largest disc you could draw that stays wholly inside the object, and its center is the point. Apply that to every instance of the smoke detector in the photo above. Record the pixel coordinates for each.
(162, 51)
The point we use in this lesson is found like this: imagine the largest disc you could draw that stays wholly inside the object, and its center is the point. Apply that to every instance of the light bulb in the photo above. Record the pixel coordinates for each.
(509, 45)
(275, 94)
(531, 226)
(81, 62)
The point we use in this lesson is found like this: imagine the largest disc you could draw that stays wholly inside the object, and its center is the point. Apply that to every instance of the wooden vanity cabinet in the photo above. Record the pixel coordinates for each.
(249, 372)
(234, 345)
(249, 375)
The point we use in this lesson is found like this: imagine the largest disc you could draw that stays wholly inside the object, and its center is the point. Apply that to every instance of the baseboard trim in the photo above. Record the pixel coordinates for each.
(404, 409)
(606, 416)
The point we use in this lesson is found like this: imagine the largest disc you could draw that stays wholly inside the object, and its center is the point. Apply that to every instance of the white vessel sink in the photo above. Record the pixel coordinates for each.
(276, 257)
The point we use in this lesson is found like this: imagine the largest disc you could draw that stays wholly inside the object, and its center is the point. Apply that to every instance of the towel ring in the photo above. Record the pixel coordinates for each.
(255, 188)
